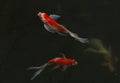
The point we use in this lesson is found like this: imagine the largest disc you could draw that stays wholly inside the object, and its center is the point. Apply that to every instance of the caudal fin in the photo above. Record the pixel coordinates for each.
(40, 69)
(82, 40)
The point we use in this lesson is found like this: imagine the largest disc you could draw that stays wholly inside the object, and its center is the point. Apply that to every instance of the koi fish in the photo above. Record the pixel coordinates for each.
(58, 62)
(52, 26)
(96, 46)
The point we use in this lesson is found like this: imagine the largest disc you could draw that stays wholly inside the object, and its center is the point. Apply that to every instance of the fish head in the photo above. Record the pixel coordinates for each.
(74, 62)
(41, 15)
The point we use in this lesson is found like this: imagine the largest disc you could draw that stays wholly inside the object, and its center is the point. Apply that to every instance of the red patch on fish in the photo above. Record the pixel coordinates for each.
(63, 61)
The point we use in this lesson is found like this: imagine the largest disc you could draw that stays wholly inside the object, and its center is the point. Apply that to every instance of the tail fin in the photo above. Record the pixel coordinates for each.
(82, 40)
(40, 69)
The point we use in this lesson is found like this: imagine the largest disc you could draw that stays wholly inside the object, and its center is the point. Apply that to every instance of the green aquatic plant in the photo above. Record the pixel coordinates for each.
(97, 46)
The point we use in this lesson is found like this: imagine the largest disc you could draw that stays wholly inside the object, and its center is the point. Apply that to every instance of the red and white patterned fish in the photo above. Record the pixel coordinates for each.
(52, 26)
(58, 62)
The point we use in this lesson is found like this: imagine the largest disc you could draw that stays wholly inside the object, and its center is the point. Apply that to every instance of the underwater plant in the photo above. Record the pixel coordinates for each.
(97, 46)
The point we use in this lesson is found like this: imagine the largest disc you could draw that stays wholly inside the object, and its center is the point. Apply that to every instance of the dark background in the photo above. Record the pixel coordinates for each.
(24, 42)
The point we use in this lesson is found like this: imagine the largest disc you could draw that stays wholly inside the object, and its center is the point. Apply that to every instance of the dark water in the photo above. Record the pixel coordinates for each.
(24, 42)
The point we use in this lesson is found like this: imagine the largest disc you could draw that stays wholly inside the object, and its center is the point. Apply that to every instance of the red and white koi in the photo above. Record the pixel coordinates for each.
(52, 26)
(58, 62)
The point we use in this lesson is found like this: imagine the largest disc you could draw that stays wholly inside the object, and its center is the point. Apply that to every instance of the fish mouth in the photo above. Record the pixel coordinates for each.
(39, 13)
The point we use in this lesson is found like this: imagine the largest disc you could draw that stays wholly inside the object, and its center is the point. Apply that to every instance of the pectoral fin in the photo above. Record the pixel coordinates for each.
(64, 68)
(55, 67)
(48, 28)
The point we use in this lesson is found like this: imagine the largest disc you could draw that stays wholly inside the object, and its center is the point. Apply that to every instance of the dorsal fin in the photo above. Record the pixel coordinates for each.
(63, 55)
(55, 17)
